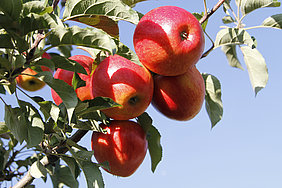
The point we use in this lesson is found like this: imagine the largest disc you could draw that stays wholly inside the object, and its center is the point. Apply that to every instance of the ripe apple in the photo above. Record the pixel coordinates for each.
(83, 93)
(179, 97)
(31, 83)
(125, 82)
(168, 40)
(123, 146)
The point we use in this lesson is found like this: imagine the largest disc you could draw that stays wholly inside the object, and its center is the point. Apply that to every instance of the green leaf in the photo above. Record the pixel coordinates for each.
(231, 54)
(101, 22)
(154, 146)
(145, 121)
(98, 103)
(44, 62)
(92, 174)
(91, 171)
(88, 37)
(114, 9)
(16, 123)
(11, 8)
(213, 100)
(3, 161)
(67, 64)
(35, 125)
(65, 91)
(37, 7)
(37, 170)
(6, 41)
(256, 66)
(63, 175)
(273, 21)
(18, 62)
(227, 19)
(226, 6)
(5, 63)
(24, 163)
(248, 6)
(153, 138)
(83, 153)
(2, 90)
(20, 42)
(77, 81)
(132, 3)
(49, 109)
(3, 128)
(33, 22)
(65, 50)
(72, 164)
(233, 36)
(82, 125)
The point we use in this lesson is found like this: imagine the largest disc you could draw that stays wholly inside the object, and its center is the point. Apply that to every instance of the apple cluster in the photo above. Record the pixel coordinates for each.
(168, 41)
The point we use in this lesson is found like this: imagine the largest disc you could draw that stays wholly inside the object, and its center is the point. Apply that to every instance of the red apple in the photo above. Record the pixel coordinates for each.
(168, 40)
(123, 146)
(125, 82)
(83, 93)
(179, 97)
(30, 83)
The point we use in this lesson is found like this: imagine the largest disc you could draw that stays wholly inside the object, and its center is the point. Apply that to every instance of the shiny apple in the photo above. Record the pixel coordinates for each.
(168, 40)
(123, 146)
(127, 83)
(179, 97)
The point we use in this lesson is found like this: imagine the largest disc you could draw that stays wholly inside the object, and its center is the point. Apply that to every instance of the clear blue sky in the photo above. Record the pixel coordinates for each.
(244, 150)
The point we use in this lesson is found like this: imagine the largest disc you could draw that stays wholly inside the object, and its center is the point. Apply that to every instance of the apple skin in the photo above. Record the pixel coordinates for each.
(83, 93)
(168, 40)
(179, 97)
(123, 146)
(127, 83)
(30, 83)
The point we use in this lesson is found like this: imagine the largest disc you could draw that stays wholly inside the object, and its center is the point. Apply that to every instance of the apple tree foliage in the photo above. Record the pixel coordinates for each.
(28, 28)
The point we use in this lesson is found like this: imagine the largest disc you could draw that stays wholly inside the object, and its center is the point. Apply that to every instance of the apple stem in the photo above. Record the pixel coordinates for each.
(208, 14)
(184, 35)
(133, 100)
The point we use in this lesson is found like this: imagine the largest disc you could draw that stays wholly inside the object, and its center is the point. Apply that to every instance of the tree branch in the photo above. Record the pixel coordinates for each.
(207, 15)
(49, 159)
(30, 54)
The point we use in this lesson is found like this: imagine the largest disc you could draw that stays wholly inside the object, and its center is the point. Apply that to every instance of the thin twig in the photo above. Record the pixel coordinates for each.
(30, 54)
(206, 53)
(206, 16)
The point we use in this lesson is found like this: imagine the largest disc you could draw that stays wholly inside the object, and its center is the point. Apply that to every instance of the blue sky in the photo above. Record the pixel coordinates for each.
(244, 150)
